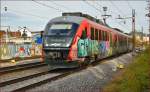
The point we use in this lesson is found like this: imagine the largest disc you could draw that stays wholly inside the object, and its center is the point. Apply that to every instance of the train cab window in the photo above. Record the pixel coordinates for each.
(92, 33)
(96, 34)
(84, 34)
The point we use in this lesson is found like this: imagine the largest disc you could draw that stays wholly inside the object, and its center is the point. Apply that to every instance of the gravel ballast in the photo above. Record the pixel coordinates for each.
(24, 83)
(91, 79)
(19, 74)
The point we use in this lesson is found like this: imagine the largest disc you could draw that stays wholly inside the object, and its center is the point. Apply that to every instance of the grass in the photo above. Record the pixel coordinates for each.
(135, 78)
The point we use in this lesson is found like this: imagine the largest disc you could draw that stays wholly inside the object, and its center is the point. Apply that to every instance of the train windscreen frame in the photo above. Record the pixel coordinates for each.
(61, 29)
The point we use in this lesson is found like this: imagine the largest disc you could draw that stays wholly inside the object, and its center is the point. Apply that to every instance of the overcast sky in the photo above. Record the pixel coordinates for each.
(35, 16)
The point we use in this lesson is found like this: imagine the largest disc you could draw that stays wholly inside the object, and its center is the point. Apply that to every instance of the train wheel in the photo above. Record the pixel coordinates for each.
(95, 57)
(87, 61)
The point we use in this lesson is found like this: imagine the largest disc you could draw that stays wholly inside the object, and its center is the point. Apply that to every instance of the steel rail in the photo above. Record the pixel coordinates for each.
(20, 67)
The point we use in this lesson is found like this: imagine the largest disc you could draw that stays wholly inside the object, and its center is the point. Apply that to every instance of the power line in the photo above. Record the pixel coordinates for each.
(92, 6)
(59, 10)
(122, 25)
(115, 19)
(117, 8)
(28, 14)
(98, 4)
(121, 11)
(130, 6)
(59, 5)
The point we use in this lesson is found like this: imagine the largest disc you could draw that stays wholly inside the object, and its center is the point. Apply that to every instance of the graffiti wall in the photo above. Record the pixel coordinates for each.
(11, 50)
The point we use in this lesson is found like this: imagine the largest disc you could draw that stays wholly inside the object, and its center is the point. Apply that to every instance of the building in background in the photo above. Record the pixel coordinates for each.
(22, 43)
(139, 40)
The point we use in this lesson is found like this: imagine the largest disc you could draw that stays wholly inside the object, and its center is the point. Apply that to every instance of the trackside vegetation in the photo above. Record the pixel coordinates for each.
(134, 78)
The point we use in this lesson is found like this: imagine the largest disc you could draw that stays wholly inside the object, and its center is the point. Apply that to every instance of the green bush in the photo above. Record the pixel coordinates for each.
(135, 78)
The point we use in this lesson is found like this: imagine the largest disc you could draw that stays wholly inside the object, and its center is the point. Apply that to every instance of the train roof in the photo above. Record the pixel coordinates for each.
(76, 17)
(72, 19)
(78, 20)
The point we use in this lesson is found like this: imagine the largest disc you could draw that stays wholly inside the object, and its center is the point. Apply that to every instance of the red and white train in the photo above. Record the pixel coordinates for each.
(75, 38)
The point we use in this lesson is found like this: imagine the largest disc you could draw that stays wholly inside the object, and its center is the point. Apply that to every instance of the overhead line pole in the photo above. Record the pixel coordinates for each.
(148, 15)
(133, 28)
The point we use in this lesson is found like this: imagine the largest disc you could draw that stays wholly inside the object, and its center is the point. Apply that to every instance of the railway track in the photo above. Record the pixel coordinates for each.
(10, 69)
(34, 80)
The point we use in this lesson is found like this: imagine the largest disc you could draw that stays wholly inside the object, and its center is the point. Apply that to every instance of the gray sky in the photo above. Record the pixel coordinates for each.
(35, 16)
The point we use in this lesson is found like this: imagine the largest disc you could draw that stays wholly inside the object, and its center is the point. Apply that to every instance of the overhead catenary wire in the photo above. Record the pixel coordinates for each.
(130, 6)
(48, 6)
(27, 14)
(98, 4)
(114, 19)
(117, 8)
(99, 11)
(60, 5)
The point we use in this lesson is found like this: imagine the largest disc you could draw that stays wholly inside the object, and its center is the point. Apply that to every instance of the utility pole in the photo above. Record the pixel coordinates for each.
(5, 8)
(148, 15)
(105, 16)
(133, 27)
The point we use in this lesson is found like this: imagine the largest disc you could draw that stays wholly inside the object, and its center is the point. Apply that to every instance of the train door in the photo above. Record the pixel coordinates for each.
(83, 44)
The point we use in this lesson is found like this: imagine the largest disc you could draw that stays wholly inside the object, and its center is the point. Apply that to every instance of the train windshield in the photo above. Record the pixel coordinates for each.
(62, 29)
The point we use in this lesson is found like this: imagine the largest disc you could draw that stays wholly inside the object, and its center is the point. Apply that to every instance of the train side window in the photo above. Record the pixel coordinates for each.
(100, 36)
(118, 39)
(96, 34)
(106, 36)
(122, 40)
(103, 35)
(84, 34)
(92, 33)
(111, 40)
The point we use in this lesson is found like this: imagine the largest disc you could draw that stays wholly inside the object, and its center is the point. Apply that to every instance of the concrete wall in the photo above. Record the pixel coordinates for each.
(11, 50)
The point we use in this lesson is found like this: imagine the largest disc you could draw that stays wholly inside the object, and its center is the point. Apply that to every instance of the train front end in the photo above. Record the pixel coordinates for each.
(57, 40)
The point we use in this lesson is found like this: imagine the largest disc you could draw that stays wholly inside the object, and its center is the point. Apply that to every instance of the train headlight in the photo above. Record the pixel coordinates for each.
(46, 45)
(67, 45)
